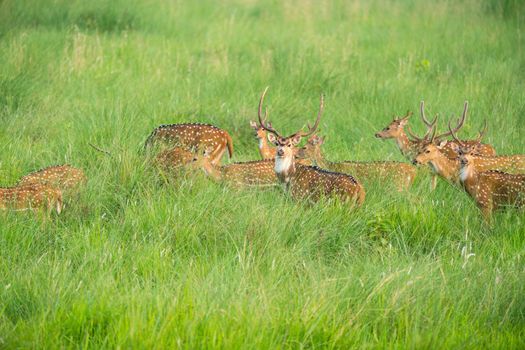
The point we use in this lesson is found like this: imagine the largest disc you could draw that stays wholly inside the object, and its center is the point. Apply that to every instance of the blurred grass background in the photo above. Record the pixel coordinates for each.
(145, 262)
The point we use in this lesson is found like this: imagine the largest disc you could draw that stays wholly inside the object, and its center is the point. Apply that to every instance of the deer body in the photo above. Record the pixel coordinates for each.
(254, 173)
(192, 136)
(31, 197)
(493, 189)
(401, 174)
(63, 177)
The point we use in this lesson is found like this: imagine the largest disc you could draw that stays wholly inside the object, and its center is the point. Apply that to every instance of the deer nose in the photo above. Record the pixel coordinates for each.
(377, 135)
(280, 153)
(415, 162)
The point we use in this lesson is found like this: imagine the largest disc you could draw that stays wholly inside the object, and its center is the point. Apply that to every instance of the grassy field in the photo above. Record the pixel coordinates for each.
(146, 262)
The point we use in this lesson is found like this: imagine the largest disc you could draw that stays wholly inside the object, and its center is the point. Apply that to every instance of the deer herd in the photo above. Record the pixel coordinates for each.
(493, 181)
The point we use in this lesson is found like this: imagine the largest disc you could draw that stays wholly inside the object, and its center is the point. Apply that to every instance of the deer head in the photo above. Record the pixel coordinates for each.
(395, 128)
(286, 146)
(312, 148)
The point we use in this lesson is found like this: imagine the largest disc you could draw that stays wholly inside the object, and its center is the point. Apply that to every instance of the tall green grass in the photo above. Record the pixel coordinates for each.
(143, 261)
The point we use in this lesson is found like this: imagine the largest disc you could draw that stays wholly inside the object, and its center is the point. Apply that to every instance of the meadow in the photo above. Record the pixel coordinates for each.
(148, 261)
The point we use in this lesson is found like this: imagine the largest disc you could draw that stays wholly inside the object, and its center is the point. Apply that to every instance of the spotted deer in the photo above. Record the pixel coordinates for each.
(410, 147)
(63, 177)
(191, 136)
(449, 147)
(266, 151)
(34, 196)
(491, 189)
(303, 181)
(433, 153)
(401, 175)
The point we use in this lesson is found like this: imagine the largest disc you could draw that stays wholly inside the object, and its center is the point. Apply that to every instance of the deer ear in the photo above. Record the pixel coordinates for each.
(403, 121)
(296, 139)
(442, 144)
(272, 139)
(253, 124)
(455, 147)
(321, 140)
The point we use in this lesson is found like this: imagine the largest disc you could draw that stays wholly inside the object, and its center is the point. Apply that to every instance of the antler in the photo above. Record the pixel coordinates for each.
(459, 124)
(266, 126)
(424, 117)
(311, 130)
(452, 132)
(430, 125)
(482, 132)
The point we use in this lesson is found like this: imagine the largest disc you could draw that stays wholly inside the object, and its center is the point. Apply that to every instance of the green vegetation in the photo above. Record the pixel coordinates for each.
(146, 262)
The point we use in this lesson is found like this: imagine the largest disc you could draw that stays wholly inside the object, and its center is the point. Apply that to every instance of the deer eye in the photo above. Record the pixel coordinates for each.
(427, 151)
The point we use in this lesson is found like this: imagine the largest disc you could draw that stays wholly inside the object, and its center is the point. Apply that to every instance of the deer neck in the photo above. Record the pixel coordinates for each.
(404, 144)
(321, 161)
(468, 177)
(263, 147)
(284, 168)
(445, 167)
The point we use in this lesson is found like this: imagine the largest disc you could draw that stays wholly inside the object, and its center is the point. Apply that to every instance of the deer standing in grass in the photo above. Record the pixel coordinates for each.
(33, 196)
(305, 181)
(265, 150)
(402, 175)
(490, 189)
(433, 153)
(191, 136)
(410, 147)
(63, 177)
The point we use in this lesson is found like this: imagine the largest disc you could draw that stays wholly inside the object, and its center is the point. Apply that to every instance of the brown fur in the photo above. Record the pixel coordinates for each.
(401, 175)
(33, 196)
(265, 150)
(193, 136)
(64, 177)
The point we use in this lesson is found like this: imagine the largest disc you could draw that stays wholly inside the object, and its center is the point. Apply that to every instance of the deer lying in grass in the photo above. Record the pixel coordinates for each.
(33, 196)
(191, 136)
(63, 177)
(254, 173)
(402, 175)
(174, 158)
(490, 189)
(303, 181)
(265, 150)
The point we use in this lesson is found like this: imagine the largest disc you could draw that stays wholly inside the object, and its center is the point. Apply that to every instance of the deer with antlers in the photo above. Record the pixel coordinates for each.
(191, 136)
(34, 196)
(401, 175)
(490, 189)
(63, 177)
(449, 147)
(410, 147)
(305, 181)
(435, 153)
(266, 151)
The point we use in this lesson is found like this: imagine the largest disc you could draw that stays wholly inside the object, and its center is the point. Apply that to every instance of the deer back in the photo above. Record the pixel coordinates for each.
(64, 177)
(190, 136)
(313, 182)
(259, 172)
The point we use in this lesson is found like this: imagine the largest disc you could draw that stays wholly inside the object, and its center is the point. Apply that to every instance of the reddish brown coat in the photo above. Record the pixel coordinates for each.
(193, 137)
